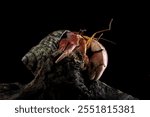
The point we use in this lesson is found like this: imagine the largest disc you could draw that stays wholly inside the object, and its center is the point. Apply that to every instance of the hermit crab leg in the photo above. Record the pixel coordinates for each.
(62, 45)
(72, 41)
(66, 53)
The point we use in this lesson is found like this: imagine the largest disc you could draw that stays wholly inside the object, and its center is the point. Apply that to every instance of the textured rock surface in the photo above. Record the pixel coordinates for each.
(62, 81)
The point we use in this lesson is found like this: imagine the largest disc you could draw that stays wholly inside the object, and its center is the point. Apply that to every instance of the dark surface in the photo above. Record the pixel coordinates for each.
(53, 82)
(128, 69)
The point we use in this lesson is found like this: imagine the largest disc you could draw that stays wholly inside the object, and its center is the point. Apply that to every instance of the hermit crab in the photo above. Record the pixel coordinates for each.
(64, 43)
(95, 63)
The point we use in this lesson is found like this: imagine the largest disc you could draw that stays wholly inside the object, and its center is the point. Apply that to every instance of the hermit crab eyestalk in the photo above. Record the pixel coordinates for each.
(81, 32)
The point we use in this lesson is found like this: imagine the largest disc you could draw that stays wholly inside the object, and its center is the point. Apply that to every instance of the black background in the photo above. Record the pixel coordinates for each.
(24, 25)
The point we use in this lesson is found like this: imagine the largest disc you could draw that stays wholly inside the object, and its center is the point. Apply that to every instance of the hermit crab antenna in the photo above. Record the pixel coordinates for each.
(108, 29)
(101, 31)
(99, 37)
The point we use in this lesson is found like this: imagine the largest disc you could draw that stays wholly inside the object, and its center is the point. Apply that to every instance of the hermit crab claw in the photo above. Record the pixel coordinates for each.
(98, 60)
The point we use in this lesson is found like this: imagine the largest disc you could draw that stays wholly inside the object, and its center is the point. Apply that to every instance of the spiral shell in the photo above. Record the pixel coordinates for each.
(38, 54)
